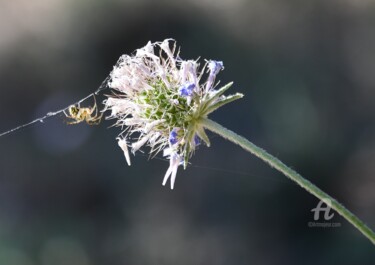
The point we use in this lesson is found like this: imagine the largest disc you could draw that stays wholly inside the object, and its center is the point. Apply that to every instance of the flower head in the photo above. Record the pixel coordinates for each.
(160, 99)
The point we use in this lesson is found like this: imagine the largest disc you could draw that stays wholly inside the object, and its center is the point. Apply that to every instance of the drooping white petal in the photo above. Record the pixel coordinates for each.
(173, 175)
(167, 175)
(123, 145)
(174, 162)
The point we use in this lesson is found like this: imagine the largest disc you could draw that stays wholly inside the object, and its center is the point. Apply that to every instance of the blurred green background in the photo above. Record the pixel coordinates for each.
(307, 69)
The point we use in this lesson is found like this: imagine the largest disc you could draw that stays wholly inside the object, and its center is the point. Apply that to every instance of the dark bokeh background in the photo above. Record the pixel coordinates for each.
(307, 69)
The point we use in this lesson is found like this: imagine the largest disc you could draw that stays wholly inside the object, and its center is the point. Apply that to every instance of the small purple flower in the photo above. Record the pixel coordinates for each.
(214, 67)
(187, 90)
(173, 137)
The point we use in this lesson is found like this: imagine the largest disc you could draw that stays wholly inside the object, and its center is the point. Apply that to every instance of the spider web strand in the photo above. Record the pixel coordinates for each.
(103, 86)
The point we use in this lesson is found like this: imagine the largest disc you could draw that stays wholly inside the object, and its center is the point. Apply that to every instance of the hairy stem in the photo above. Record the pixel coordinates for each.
(290, 173)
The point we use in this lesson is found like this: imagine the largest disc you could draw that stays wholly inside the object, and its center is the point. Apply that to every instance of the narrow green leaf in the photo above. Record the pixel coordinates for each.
(223, 102)
(215, 95)
(202, 134)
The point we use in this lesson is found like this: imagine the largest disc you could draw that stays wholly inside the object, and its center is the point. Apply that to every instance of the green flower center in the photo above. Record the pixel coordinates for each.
(165, 103)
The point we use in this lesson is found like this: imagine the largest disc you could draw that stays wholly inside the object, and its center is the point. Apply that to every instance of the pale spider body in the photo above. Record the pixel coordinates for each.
(78, 114)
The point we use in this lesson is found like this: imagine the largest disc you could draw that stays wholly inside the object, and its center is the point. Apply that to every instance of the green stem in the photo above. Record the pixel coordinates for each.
(290, 173)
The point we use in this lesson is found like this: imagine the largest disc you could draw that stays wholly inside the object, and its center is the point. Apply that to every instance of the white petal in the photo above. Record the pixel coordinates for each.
(173, 177)
(210, 82)
(123, 145)
(134, 121)
(183, 71)
(154, 138)
(149, 47)
(168, 151)
(151, 125)
(174, 162)
(166, 176)
(140, 143)
(192, 70)
(165, 46)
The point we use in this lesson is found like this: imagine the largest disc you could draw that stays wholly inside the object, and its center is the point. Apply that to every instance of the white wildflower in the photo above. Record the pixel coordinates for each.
(160, 98)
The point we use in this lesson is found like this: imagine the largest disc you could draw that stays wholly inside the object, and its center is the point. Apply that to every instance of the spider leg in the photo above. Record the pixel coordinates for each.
(92, 120)
(96, 118)
(74, 122)
(95, 107)
(66, 115)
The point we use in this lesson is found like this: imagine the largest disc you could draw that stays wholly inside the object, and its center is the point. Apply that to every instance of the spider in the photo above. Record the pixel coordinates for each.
(78, 114)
